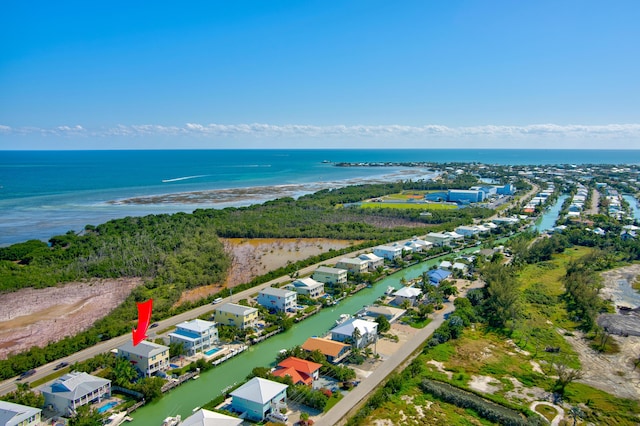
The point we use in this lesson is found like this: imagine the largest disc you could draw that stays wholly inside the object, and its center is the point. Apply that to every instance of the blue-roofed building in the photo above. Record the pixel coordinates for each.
(508, 189)
(195, 336)
(465, 196)
(437, 275)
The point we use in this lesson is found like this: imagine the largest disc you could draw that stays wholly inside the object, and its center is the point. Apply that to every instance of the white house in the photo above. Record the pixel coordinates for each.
(329, 275)
(19, 415)
(460, 266)
(195, 336)
(438, 238)
(277, 298)
(455, 235)
(204, 417)
(259, 397)
(388, 252)
(467, 231)
(309, 287)
(410, 294)
(368, 331)
(73, 390)
(148, 357)
(353, 265)
(374, 261)
(413, 247)
(445, 264)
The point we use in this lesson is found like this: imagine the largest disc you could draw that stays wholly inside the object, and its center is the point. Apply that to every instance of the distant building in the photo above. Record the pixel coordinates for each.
(508, 189)
(332, 350)
(73, 390)
(368, 332)
(19, 415)
(467, 231)
(353, 265)
(309, 287)
(439, 239)
(147, 357)
(388, 252)
(204, 417)
(242, 317)
(278, 299)
(465, 196)
(195, 336)
(374, 261)
(328, 275)
(259, 397)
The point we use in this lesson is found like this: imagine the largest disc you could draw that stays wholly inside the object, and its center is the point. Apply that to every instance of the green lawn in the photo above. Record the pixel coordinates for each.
(409, 205)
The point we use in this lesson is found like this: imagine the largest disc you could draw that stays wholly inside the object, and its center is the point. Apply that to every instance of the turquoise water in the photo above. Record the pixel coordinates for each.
(550, 216)
(634, 206)
(107, 407)
(47, 193)
(211, 351)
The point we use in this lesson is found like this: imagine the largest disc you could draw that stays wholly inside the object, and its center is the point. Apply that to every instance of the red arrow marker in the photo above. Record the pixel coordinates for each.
(144, 318)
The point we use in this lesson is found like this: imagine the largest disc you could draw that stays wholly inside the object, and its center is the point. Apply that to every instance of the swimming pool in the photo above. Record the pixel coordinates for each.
(107, 407)
(211, 351)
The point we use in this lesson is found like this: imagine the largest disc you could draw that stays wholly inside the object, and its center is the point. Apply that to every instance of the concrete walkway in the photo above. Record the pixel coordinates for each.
(347, 406)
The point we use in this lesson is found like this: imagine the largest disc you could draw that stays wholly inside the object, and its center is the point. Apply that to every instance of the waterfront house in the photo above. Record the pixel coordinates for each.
(147, 357)
(437, 275)
(278, 299)
(329, 275)
(242, 317)
(373, 261)
(73, 390)
(12, 414)
(301, 371)
(445, 264)
(409, 294)
(439, 239)
(353, 265)
(367, 330)
(505, 220)
(388, 252)
(204, 417)
(468, 231)
(195, 336)
(332, 350)
(308, 287)
(259, 397)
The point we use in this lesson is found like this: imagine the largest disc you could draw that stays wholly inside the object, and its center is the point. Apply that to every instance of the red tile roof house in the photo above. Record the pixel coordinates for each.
(300, 371)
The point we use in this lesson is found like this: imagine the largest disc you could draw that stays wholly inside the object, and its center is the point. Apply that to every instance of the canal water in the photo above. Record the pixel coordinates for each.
(196, 393)
(550, 216)
(634, 205)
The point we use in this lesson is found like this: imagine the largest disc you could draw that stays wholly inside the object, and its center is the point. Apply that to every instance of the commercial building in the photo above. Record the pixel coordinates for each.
(465, 196)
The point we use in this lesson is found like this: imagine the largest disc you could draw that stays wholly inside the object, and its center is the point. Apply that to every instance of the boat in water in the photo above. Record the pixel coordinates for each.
(172, 421)
(389, 290)
(343, 318)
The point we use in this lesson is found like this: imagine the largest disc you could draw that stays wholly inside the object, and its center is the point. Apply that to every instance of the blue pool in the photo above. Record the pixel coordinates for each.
(107, 407)
(211, 351)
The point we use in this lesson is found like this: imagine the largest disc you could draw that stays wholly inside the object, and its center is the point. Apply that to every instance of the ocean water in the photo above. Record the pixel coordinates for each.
(47, 193)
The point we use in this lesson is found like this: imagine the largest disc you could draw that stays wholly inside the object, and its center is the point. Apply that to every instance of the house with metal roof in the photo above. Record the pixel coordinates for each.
(147, 357)
(389, 252)
(332, 350)
(204, 417)
(259, 397)
(437, 275)
(409, 294)
(12, 414)
(236, 315)
(367, 331)
(373, 261)
(73, 390)
(353, 265)
(438, 239)
(195, 336)
(308, 287)
(329, 275)
(278, 299)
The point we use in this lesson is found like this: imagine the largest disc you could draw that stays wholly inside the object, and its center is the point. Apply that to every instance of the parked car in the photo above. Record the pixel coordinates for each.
(61, 365)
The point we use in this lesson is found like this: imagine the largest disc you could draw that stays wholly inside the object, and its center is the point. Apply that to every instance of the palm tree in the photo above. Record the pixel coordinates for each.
(355, 336)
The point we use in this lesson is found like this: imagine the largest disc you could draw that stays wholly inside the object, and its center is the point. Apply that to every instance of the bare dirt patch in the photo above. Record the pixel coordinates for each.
(251, 258)
(36, 317)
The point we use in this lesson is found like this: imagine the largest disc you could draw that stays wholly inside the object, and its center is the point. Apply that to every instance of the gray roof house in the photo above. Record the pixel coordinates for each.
(16, 414)
(149, 358)
(259, 397)
(74, 390)
(204, 417)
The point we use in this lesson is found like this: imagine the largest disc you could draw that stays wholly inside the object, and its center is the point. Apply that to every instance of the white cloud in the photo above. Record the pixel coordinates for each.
(433, 134)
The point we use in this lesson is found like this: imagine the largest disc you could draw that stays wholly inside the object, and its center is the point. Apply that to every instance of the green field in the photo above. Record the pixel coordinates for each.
(408, 205)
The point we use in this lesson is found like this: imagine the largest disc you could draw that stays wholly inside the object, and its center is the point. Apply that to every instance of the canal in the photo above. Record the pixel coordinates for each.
(634, 205)
(550, 216)
(196, 393)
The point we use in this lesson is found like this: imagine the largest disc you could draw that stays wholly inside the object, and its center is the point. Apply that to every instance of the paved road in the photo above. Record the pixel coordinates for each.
(348, 406)
(45, 370)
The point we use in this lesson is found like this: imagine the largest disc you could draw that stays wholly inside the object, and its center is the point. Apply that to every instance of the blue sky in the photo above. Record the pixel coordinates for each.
(312, 74)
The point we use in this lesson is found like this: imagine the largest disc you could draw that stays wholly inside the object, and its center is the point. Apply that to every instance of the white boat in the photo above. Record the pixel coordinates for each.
(389, 290)
(343, 318)
(172, 421)
(196, 377)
